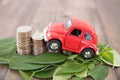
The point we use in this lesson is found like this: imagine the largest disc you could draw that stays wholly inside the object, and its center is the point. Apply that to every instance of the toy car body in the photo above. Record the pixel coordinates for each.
(74, 35)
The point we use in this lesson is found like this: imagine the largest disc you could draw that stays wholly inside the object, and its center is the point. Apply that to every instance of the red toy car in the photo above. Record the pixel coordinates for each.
(74, 35)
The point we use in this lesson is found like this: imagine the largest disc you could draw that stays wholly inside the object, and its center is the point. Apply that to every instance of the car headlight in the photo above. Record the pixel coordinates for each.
(48, 34)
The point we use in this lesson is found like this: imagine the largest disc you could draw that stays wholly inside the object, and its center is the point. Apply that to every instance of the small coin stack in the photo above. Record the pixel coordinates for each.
(24, 40)
(38, 43)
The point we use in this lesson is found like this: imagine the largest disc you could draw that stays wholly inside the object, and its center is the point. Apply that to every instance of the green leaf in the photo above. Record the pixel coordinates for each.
(7, 46)
(111, 58)
(77, 78)
(72, 56)
(79, 58)
(24, 75)
(25, 66)
(82, 74)
(47, 58)
(91, 66)
(5, 59)
(45, 74)
(116, 58)
(99, 73)
(71, 68)
(104, 48)
(107, 57)
(19, 62)
(62, 76)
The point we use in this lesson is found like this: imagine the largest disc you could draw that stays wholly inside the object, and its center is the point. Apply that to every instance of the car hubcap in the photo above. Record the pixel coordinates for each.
(87, 54)
(54, 46)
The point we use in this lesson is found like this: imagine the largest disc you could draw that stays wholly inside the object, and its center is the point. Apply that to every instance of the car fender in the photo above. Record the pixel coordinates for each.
(56, 37)
(86, 45)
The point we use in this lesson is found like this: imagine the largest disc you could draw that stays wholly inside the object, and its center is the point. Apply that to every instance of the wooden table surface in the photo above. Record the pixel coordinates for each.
(104, 15)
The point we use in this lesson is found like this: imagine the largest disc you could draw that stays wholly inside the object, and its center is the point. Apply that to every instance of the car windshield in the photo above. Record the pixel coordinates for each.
(68, 24)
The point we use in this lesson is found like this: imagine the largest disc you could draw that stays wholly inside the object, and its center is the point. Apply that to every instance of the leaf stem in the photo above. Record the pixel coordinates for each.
(33, 73)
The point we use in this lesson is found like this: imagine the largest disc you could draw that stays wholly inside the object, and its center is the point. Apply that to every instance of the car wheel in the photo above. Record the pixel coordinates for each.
(54, 45)
(88, 53)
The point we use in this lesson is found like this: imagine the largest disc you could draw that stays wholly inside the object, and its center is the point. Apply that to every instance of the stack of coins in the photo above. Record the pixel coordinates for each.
(38, 43)
(24, 40)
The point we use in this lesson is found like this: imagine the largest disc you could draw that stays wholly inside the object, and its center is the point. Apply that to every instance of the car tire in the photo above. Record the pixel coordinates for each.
(54, 45)
(88, 53)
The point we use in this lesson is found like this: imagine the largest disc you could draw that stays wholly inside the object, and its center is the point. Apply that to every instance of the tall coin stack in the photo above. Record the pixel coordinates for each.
(38, 43)
(24, 40)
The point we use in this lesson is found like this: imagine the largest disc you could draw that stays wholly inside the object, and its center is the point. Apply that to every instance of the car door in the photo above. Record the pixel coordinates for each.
(73, 39)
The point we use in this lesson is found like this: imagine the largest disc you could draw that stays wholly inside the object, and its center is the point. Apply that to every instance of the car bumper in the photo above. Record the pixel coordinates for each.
(97, 51)
(45, 33)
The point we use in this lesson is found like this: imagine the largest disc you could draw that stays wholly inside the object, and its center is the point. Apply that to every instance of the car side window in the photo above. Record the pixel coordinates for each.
(76, 32)
(87, 36)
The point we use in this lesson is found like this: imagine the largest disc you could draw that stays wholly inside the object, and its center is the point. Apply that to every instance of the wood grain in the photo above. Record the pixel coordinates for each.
(102, 14)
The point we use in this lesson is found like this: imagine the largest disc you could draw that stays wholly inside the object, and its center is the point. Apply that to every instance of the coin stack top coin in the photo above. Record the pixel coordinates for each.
(38, 43)
(23, 36)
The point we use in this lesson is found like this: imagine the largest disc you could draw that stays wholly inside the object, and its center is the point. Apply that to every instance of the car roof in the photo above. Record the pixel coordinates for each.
(82, 25)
